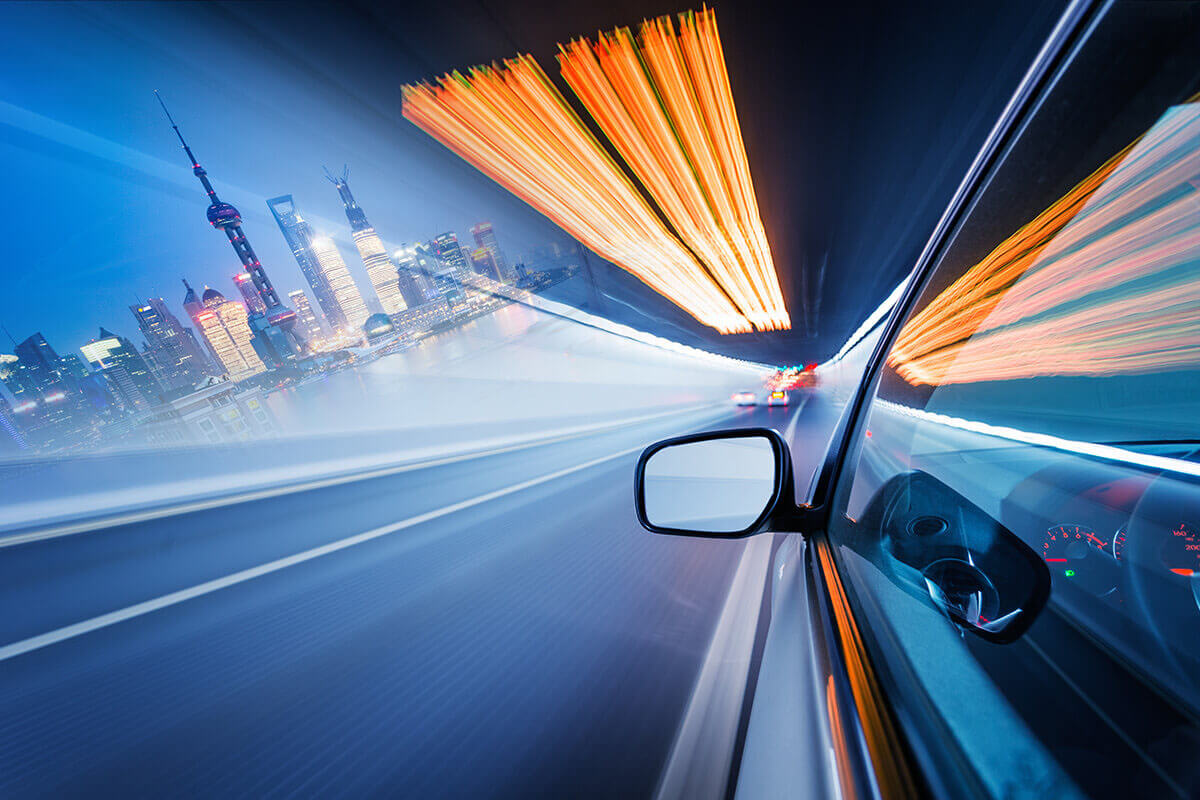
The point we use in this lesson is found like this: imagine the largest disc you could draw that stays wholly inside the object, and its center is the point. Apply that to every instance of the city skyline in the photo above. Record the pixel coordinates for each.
(119, 161)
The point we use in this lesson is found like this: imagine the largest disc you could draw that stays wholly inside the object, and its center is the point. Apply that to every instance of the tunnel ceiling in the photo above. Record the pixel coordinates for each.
(859, 122)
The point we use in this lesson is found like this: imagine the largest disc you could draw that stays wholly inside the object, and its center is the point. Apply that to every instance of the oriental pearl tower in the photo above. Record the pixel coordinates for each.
(275, 340)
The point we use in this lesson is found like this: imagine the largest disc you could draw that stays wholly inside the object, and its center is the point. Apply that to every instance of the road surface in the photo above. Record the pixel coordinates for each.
(497, 626)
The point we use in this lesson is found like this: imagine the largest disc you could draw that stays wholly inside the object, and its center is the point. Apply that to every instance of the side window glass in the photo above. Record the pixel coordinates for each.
(1022, 506)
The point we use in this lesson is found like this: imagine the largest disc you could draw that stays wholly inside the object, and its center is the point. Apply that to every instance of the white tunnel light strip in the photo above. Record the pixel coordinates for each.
(1103, 451)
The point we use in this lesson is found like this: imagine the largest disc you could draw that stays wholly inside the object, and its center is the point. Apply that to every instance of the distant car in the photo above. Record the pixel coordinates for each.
(777, 398)
(745, 399)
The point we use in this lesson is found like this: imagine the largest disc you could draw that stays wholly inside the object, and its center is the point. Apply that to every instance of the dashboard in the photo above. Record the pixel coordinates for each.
(1123, 549)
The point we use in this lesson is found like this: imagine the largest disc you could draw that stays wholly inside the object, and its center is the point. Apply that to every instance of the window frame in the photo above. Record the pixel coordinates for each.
(925, 750)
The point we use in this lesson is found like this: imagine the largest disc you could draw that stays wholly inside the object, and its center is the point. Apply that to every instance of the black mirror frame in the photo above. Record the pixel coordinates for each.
(776, 511)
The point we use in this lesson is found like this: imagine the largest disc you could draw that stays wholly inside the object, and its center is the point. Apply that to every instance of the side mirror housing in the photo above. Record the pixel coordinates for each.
(724, 484)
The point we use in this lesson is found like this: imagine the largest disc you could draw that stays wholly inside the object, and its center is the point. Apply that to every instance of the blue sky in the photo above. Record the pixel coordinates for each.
(101, 206)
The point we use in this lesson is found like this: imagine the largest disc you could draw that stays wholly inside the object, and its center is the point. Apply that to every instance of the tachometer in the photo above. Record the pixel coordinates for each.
(1078, 553)
(1118, 544)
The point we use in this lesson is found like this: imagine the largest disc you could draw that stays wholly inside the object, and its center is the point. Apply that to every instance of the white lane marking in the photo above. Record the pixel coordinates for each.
(791, 428)
(159, 512)
(208, 587)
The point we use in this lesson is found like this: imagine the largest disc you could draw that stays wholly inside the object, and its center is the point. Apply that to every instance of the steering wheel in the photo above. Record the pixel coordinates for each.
(1167, 599)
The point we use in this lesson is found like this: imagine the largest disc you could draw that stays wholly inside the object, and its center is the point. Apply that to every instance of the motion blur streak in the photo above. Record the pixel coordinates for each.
(665, 103)
(513, 125)
(668, 109)
(1103, 282)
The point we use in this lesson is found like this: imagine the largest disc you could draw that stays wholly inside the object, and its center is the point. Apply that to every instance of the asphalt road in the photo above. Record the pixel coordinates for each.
(499, 626)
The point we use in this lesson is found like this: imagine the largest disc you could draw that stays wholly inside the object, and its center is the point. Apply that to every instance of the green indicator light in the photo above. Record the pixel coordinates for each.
(1070, 573)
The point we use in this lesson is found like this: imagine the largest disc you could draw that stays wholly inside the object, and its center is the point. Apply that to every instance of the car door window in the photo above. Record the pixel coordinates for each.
(1047, 380)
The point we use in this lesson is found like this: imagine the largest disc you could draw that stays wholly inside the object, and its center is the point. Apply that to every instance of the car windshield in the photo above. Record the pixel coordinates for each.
(331, 333)
(1040, 398)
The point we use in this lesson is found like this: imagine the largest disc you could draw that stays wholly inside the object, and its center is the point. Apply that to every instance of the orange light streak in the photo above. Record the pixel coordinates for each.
(1101, 283)
(514, 126)
(678, 131)
(664, 102)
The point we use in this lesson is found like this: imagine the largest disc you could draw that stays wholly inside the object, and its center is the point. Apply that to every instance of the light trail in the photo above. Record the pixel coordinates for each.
(664, 102)
(1101, 283)
(514, 126)
(511, 123)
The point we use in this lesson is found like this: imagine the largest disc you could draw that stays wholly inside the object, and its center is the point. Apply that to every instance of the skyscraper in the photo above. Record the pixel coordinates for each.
(344, 289)
(173, 354)
(486, 237)
(375, 258)
(273, 337)
(224, 325)
(451, 253)
(306, 319)
(137, 385)
(51, 406)
(415, 270)
(299, 235)
(484, 261)
(254, 301)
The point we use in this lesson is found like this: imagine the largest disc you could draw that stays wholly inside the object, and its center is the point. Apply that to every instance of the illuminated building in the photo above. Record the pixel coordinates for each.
(485, 237)
(173, 354)
(49, 406)
(416, 268)
(307, 320)
(424, 318)
(224, 325)
(374, 256)
(274, 340)
(484, 261)
(217, 411)
(451, 253)
(664, 101)
(254, 302)
(345, 291)
(135, 383)
(299, 236)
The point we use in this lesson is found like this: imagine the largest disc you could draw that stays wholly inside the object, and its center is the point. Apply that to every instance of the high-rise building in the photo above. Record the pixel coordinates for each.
(379, 267)
(415, 269)
(51, 407)
(299, 235)
(274, 340)
(451, 253)
(250, 295)
(41, 367)
(175, 356)
(224, 325)
(486, 237)
(137, 386)
(307, 319)
(447, 282)
(484, 262)
(344, 289)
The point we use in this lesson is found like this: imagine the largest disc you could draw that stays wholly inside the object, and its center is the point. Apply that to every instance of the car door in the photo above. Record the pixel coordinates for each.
(1014, 517)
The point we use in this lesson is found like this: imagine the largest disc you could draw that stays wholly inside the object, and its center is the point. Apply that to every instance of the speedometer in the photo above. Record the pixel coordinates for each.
(1181, 550)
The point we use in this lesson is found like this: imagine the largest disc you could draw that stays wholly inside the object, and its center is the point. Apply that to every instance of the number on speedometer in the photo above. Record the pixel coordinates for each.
(1181, 551)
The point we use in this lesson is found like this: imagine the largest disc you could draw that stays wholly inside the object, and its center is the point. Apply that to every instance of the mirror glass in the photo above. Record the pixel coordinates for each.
(710, 486)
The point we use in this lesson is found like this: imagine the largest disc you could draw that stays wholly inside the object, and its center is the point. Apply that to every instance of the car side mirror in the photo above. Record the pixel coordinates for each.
(720, 484)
